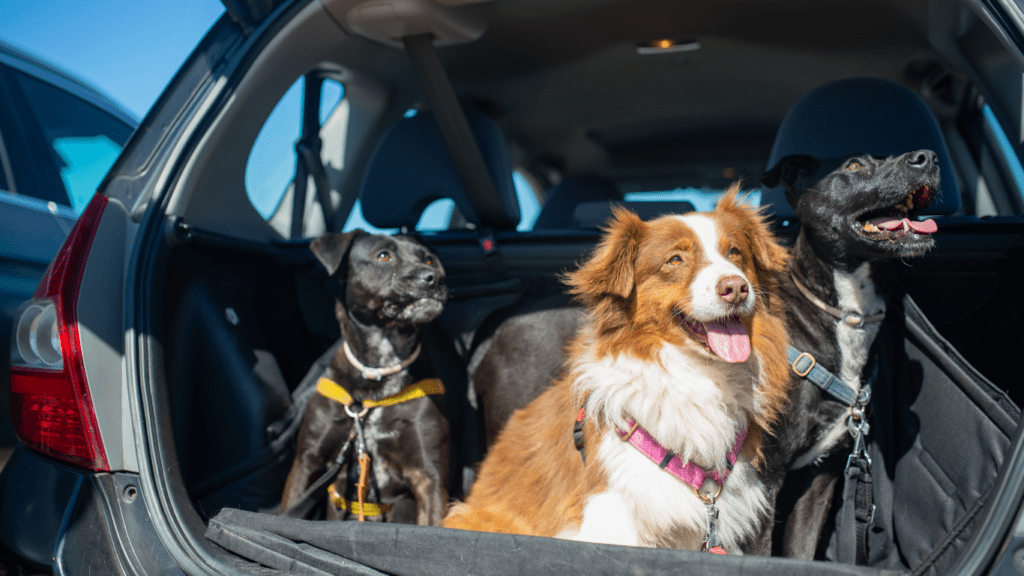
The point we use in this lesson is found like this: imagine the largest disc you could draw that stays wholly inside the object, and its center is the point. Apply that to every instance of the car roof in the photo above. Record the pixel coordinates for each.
(51, 73)
(580, 76)
(567, 80)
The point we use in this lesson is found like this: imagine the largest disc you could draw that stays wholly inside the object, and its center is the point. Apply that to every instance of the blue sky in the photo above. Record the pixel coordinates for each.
(129, 49)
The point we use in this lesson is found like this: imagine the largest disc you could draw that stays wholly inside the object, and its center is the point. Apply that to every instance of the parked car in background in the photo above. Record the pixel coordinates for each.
(58, 138)
(162, 362)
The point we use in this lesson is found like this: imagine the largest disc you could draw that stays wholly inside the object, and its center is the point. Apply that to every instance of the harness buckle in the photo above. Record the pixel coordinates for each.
(625, 435)
(809, 368)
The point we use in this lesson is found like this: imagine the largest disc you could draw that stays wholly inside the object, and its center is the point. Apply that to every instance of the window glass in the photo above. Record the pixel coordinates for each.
(1006, 149)
(529, 205)
(85, 140)
(271, 165)
(356, 220)
(703, 200)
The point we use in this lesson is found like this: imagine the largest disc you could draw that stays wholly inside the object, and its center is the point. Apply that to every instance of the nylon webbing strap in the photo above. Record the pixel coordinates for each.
(421, 389)
(311, 497)
(308, 149)
(857, 514)
(805, 366)
(353, 507)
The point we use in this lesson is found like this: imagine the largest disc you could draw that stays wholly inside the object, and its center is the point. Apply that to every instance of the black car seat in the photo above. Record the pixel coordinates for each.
(563, 198)
(861, 115)
(411, 167)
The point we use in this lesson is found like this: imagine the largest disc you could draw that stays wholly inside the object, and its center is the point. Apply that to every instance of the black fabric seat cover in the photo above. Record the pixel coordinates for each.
(939, 434)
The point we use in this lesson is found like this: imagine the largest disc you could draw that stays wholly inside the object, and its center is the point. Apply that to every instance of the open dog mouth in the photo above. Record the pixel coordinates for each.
(894, 221)
(726, 337)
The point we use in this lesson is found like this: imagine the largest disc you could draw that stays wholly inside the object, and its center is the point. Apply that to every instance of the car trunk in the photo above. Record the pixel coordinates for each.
(246, 322)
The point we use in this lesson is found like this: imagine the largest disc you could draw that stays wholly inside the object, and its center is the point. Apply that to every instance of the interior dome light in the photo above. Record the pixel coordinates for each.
(666, 46)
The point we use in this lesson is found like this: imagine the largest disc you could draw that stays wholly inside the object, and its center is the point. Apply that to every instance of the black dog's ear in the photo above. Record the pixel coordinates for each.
(330, 249)
(789, 170)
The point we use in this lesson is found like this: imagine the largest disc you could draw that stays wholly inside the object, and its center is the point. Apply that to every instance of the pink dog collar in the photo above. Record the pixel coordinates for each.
(668, 460)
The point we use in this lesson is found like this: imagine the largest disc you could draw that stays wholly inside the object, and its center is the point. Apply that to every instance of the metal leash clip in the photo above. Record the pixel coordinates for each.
(711, 543)
(859, 429)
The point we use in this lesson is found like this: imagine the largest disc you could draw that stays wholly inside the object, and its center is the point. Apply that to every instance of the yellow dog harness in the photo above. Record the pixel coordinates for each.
(331, 389)
(427, 387)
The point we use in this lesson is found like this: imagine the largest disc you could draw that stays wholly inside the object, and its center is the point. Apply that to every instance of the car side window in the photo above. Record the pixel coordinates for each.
(270, 170)
(82, 140)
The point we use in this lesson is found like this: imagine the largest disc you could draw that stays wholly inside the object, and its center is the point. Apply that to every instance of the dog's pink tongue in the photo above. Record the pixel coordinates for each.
(729, 339)
(926, 227)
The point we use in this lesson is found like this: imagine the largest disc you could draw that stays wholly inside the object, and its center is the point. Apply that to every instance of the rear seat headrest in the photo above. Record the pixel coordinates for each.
(861, 115)
(563, 198)
(597, 213)
(411, 168)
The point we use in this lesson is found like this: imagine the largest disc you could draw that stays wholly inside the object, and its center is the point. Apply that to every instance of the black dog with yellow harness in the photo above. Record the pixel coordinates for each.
(374, 440)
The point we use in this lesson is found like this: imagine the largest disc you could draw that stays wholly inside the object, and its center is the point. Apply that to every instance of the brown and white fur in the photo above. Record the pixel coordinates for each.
(650, 290)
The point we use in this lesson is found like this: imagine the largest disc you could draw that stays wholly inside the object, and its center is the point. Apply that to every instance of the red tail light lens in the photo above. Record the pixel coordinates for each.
(51, 406)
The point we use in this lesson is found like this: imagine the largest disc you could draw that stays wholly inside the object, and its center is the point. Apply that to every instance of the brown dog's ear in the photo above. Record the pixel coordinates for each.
(330, 249)
(611, 268)
(769, 255)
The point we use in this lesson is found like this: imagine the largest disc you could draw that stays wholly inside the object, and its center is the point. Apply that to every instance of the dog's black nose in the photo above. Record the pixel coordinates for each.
(427, 277)
(922, 158)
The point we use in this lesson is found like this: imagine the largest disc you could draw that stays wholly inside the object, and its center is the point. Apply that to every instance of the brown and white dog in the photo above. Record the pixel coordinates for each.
(684, 346)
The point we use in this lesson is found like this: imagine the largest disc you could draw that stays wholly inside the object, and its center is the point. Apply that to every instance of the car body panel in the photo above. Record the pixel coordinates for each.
(101, 333)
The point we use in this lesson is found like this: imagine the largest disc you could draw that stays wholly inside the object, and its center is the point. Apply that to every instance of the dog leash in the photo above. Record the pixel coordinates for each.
(378, 373)
(331, 389)
(301, 507)
(858, 511)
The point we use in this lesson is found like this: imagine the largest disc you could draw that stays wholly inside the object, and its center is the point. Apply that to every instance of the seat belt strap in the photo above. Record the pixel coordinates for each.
(308, 162)
(451, 120)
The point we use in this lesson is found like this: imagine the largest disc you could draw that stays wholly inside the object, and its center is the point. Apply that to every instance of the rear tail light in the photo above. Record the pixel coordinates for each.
(51, 406)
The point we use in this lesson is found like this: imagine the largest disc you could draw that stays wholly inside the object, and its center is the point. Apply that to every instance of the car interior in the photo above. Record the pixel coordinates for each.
(574, 107)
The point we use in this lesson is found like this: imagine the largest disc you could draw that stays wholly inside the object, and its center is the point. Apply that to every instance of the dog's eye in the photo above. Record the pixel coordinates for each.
(854, 165)
(675, 260)
(384, 256)
(734, 252)
(429, 261)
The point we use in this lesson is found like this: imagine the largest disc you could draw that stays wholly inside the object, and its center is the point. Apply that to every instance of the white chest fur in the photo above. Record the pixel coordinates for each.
(645, 506)
(691, 406)
(856, 292)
